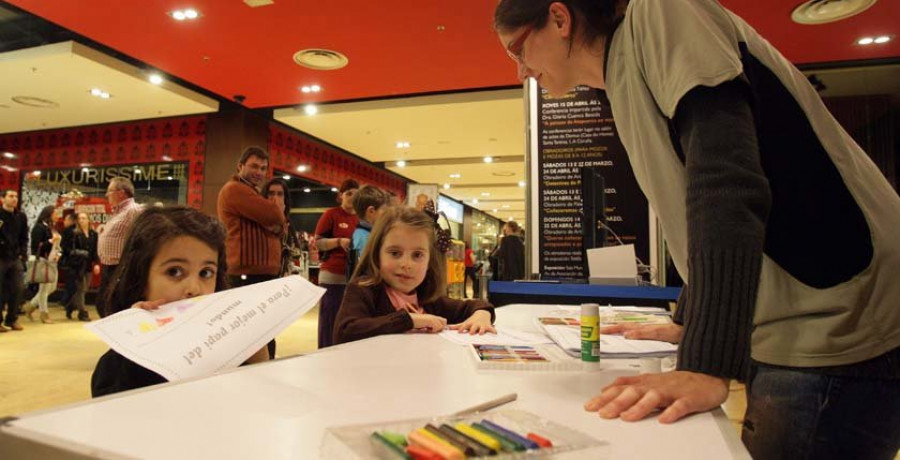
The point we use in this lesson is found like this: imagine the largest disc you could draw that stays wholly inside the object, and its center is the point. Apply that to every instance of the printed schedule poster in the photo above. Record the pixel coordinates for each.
(577, 131)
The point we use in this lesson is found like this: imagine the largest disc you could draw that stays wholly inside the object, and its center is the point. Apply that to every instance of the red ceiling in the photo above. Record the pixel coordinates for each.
(394, 46)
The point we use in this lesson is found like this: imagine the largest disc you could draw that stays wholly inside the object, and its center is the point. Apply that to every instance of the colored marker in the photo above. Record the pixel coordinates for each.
(396, 438)
(434, 444)
(540, 440)
(508, 444)
(476, 444)
(421, 453)
(512, 435)
(479, 436)
(476, 448)
(387, 448)
(466, 449)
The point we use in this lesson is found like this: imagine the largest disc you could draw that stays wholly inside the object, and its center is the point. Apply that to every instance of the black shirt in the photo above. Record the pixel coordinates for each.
(13, 235)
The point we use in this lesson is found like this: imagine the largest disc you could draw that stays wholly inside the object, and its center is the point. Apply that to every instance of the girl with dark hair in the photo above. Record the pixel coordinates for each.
(746, 170)
(44, 245)
(170, 254)
(80, 252)
(400, 285)
(276, 190)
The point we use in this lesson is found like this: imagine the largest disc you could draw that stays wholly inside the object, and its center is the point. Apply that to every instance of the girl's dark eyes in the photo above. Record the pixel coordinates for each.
(207, 273)
(175, 272)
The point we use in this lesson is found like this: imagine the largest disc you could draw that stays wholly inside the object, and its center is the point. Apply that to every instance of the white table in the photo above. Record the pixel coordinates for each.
(281, 409)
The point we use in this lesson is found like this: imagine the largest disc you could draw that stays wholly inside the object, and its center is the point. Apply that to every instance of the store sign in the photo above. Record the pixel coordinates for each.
(101, 175)
(452, 209)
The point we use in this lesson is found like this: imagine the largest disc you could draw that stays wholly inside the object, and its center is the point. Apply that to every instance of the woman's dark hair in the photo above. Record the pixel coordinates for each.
(46, 215)
(287, 194)
(591, 19)
(153, 228)
(368, 269)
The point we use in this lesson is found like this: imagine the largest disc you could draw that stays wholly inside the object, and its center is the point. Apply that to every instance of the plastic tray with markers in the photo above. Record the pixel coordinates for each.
(501, 434)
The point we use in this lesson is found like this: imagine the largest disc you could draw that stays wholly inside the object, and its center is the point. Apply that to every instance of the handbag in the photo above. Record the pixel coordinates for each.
(42, 271)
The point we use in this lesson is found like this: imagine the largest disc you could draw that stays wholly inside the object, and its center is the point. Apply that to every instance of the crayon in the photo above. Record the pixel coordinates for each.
(508, 444)
(511, 435)
(386, 448)
(540, 440)
(421, 453)
(434, 444)
(477, 449)
(396, 438)
(479, 436)
(464, 448)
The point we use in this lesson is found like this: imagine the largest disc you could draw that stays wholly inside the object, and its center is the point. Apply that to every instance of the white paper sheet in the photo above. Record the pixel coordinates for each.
(203, 335)
(611, 346)
(504, 336)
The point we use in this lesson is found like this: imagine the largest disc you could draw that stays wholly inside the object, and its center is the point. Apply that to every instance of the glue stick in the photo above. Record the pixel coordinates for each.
(590, 335)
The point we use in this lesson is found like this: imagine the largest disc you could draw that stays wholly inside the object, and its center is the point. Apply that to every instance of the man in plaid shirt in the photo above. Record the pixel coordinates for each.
(120, 194)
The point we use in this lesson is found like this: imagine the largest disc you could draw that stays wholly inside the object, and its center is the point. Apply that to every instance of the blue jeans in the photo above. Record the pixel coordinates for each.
(803, 415)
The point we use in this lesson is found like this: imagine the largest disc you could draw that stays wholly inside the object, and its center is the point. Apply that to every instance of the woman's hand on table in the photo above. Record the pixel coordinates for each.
(663, 332)
(677, 394)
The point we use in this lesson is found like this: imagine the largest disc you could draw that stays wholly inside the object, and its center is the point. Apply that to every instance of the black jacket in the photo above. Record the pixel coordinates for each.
(40, 240)
(13, 235)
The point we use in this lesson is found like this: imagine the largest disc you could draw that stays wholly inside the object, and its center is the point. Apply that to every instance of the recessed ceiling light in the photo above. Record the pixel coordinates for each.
(96, 92)
(865, 41)
(521, 183)
(302, 168)
(402, 145)
(286, 177)
(455, 176)
(191, 13)
(185, 14)
(446, 186)
(474, 200)
(882, 39)
(305, 89)
(320, 59)
(104, 95)
(156, 79)
(401, 164)
(488, 159)
(179, 15)
(306, 190)
(315, 88)
(494, 210)
(310, 109)
(813, 12)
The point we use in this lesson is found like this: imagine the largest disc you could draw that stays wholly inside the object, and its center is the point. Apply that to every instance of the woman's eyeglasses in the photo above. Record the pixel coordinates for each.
(514, 50)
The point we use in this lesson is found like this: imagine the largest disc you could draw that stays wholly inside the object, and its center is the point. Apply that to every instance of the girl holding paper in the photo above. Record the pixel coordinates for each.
(171, 253)
(399, 285)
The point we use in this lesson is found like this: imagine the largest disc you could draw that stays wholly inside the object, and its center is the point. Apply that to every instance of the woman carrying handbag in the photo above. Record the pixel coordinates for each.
(81, 255)
(43, 269)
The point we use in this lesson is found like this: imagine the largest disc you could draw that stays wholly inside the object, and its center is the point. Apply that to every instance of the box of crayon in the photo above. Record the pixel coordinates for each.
(542, 357)
(502, 434)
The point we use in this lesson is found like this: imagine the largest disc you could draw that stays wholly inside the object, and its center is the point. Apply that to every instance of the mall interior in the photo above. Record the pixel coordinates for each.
(412, 97)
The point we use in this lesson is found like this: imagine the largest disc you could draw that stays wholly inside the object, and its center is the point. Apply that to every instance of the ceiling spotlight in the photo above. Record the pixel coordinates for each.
(286, 177)
(455, 176)
(485, 194)
(315, 88)
(494, 210)
(191, 13)
(306, 190)
(334, 189)
(474, 200)
(401, 164)
(156, 79)
(446, 186)
(104, 95)
(310, 109)
(882, 39)
(179, 15)
(305, 89)
(96, 92)
(865, 41)
(521, 183)
(402, 145)
(302, 168)
(488, 159)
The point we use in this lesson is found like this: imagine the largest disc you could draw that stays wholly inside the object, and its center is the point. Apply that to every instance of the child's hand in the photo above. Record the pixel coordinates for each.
(431, 323)
(479, 323)
(149, 305)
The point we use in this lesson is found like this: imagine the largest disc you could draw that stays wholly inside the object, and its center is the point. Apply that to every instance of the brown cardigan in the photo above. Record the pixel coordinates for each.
(367, 312)
(251, 247)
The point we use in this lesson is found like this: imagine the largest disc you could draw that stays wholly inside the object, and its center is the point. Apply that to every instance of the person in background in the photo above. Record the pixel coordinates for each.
(333, 238)
(510, 254)
(13, 253)
(276, 190)
(173, 253)
(400, 285)
(44, 243)
(470, 271)
(746, 170)
(81, 256)
(67, 232)
(120, 194)
(369, 203)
